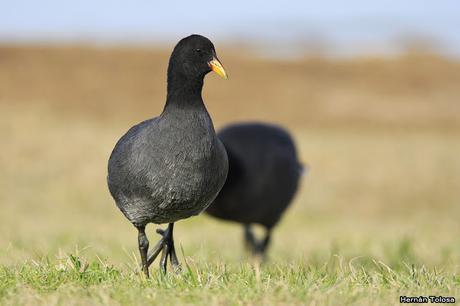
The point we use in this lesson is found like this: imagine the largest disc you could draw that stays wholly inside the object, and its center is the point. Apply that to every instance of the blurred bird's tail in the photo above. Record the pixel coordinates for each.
(303, 169)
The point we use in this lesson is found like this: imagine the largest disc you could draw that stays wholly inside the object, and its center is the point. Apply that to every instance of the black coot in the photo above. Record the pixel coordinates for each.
(171, 167)
(262, 178)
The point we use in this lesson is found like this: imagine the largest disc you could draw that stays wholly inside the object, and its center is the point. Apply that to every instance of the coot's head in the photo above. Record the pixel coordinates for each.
(194, 56)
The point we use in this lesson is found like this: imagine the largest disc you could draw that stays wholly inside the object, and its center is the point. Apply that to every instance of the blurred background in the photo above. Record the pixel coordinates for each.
(369, 90)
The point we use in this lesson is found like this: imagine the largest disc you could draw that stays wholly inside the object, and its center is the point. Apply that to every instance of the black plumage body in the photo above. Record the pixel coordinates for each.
(263, 175)
(167, 168)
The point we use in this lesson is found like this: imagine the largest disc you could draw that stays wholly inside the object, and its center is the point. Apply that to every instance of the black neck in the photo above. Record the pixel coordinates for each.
(184, 91)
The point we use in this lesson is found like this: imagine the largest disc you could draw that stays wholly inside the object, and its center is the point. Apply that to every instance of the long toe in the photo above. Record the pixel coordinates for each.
(153, 254)
(155, 251)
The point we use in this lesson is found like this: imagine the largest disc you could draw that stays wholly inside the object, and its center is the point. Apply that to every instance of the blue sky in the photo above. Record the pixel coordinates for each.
(350, 26)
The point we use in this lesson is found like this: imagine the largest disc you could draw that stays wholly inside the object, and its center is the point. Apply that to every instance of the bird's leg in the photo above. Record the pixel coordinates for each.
(263, 245)
(173, 257)
(166, 246)
(156, 249)
(143, 249)
(174, 260)
(168, 249)
(249, 239)
(164, 256)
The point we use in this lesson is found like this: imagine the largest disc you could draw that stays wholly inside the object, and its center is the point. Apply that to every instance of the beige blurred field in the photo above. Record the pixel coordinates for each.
(381, 136)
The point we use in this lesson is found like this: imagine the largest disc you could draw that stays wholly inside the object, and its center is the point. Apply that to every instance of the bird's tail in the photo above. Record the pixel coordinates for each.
(303, 169)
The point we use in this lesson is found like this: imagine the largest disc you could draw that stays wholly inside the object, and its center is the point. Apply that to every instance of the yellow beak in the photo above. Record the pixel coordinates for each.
(217, 67)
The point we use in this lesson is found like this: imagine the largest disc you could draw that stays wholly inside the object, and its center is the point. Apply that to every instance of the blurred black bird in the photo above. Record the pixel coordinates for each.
(171, 167)
(262, 179)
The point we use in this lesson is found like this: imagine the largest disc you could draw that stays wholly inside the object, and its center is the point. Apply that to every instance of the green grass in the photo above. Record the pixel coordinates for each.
(364, 281)
(376, 218)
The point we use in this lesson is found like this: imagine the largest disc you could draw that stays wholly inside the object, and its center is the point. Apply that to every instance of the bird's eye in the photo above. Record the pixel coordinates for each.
(198, 50)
